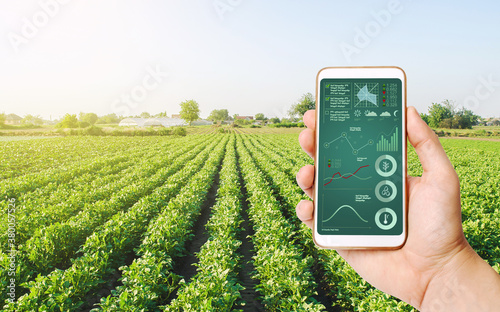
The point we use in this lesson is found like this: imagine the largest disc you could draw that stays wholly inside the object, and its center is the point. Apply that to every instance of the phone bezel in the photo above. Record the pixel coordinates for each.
(362, 241)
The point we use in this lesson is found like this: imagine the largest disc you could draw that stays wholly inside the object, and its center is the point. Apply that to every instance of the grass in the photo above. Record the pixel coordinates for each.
(475, 132)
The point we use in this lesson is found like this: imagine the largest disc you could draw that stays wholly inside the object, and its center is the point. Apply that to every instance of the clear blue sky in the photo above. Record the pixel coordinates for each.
(253, 57)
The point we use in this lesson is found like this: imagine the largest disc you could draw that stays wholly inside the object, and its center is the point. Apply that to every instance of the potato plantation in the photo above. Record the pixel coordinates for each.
(204, 222)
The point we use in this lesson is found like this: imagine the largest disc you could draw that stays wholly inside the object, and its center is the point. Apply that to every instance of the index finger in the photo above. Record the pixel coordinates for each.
(310, 119)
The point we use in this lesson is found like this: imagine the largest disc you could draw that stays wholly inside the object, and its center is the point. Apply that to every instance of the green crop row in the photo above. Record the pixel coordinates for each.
(130, 198)
(346, 285)
(150, 279)
(19, 158)
(283, 271)
(215, 287)
(63, 201)
(53, 246)
(104, 250)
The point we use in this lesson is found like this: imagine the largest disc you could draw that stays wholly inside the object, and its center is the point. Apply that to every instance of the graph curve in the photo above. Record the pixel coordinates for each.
(347, 177)
(346, 206)
(355, 176)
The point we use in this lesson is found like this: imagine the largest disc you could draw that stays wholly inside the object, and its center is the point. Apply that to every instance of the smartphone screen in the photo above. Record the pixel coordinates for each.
(360, 157)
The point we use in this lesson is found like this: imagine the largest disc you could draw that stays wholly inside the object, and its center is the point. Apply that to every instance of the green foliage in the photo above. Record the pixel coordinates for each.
(90, 118)
(287, 124)
(162, 114)
(2, 118)
(218, 115)
(242, 122)
(108, 119)
(89, 203)
(274, 120)
(425, 117)
(190, 111)
(439, 112)
(180, 131)
(93, 130)
(167, 236)
(444, 115)
(83, 124)
(283, 271)
(34, 120)
(164, 131)
(306, 102)
(145, 115)
(260, 116)
(68, 121)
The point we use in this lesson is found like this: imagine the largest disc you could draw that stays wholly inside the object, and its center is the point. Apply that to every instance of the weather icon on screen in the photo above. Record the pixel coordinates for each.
(385, 114)
(370, 113)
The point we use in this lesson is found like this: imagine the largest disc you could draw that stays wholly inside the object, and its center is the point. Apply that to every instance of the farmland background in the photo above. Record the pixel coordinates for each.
(196, 223)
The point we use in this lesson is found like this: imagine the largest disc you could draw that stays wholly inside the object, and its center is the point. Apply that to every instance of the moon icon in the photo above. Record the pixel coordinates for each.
(395, 113)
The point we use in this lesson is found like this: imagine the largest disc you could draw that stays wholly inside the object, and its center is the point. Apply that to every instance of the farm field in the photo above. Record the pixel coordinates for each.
(204, 222)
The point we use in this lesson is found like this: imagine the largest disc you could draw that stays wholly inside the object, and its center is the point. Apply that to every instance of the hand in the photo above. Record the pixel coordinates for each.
(436, 247)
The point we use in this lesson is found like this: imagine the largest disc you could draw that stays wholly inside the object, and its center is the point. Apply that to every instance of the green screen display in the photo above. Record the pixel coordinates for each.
(360, 174)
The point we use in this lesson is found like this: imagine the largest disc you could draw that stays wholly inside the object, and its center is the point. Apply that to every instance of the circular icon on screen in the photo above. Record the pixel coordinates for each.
(386, 165)
(386, 191)
(386, 218)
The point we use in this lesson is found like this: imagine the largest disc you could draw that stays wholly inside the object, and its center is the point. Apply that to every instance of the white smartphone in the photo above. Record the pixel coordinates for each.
(360, 165)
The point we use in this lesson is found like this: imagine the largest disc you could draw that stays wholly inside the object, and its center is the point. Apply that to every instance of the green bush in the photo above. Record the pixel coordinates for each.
(93, 130)
(83, 124)
(287, 125)
(164, 132)
(181, 131)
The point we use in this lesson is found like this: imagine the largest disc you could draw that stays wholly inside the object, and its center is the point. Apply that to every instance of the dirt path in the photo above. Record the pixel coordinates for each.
(184, 266)
(249, 294)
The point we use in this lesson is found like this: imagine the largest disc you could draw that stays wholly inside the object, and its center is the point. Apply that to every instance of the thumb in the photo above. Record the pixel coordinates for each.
(426, 143)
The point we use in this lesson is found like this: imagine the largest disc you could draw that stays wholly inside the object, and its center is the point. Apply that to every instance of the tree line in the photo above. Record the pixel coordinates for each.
(440, 115)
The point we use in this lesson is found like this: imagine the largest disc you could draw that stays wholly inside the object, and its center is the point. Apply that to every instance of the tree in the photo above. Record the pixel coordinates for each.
(439, 112)
(108, 119)
(91, 118)
(444, 115)
(305, 103)
(162, 114)
(218, 115)
(145, 115)
(68, 121)
(274, 120)
(425, 117)
(464, 119)
(242, 122)
(190, 111)
(260, 116)
(34, 120)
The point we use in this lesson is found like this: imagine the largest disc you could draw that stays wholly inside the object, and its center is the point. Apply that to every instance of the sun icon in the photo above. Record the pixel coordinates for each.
(357, 113)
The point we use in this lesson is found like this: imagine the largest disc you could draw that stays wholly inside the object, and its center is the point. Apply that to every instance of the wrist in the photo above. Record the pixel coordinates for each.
(464, 283)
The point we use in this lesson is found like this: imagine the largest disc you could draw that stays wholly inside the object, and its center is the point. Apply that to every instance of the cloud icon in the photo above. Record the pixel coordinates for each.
(370, 114)
(385, 114)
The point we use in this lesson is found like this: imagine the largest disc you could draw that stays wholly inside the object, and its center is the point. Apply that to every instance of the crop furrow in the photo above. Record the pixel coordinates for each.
(103, 250)
(284, 272)
(150, 279)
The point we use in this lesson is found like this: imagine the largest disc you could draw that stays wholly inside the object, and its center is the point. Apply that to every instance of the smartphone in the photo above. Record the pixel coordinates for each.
(360, 165)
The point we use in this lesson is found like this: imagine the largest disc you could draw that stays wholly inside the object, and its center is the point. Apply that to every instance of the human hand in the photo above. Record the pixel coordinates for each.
(436, 247)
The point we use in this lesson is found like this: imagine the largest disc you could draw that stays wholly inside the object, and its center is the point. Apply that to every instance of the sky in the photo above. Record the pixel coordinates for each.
(248, 56)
